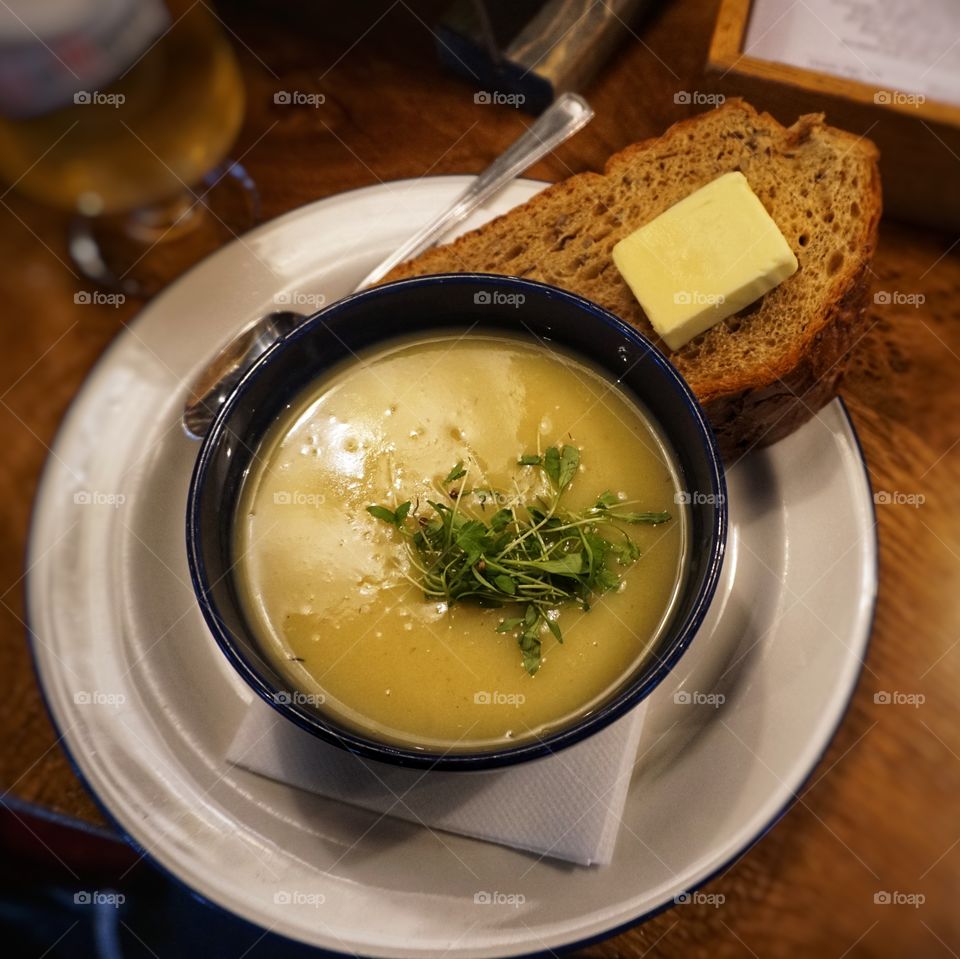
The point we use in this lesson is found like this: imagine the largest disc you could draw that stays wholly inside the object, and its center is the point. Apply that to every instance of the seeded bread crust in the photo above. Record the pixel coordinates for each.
(766, 370)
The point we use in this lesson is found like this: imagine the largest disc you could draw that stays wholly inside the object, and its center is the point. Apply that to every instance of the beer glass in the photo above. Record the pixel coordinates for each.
(122, 112)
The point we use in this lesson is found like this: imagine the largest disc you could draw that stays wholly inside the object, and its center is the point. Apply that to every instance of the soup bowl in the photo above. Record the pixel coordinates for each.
(425, 306)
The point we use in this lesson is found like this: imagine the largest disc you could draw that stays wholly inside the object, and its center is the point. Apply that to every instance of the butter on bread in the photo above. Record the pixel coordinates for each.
(707, 257)
(761, 372)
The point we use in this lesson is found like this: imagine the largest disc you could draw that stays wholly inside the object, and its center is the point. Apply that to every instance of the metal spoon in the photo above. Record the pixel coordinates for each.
(209, 391)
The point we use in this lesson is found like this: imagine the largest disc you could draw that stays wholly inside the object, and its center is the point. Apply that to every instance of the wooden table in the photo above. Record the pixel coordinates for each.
(881, 812)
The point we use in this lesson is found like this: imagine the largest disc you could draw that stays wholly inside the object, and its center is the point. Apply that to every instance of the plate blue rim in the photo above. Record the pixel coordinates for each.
(566, 947)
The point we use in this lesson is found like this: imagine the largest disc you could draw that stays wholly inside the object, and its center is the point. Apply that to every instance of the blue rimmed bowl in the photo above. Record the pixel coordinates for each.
(428, 305)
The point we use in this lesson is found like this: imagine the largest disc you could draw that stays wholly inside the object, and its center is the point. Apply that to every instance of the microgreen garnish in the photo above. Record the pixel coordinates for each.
(382, 512)
(536, 557)
(456, 473)
(393, 517)
(561, 466)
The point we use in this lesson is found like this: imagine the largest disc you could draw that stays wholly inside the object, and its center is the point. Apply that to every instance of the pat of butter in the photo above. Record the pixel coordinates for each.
(708, 256)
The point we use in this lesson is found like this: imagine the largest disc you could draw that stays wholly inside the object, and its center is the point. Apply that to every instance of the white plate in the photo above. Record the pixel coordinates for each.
(147, 704)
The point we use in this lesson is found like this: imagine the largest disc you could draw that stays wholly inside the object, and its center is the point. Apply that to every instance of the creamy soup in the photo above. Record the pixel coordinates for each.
(331, 591)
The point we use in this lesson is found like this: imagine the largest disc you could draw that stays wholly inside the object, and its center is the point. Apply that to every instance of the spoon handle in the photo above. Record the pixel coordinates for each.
(567, 114)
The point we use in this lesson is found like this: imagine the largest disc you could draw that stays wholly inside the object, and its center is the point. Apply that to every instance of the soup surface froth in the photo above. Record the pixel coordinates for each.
(327, 587)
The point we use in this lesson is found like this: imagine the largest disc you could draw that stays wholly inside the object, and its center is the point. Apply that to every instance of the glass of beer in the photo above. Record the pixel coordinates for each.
(123, 112)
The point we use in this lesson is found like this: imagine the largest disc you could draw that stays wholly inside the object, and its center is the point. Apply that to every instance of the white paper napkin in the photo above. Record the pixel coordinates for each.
(567, 805)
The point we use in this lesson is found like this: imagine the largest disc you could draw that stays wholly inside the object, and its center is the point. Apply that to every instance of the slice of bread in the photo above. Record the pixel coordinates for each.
(764, 371)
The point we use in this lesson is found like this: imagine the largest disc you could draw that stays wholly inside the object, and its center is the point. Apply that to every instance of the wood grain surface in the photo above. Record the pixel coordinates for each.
(880, 814)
